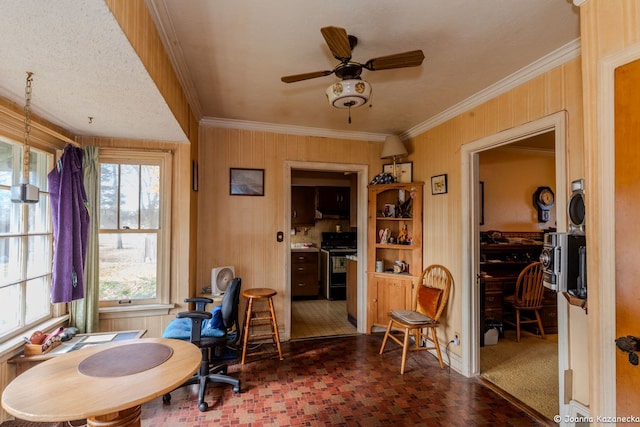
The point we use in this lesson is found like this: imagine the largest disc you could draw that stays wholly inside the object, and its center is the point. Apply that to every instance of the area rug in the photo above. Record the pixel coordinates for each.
(527, 370)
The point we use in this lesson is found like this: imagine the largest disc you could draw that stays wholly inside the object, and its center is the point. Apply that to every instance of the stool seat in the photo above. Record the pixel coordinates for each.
(259, 318)
(258, 293)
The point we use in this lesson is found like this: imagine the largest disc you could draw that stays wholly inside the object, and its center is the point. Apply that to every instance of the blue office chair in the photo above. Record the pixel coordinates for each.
(211, 332)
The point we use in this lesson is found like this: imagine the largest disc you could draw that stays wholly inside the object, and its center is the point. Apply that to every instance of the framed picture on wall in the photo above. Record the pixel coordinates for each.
(246, 182)
(404, 171)
(439, 184)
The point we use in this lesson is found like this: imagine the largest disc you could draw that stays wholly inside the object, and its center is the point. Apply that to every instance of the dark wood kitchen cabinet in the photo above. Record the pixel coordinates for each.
(305, 273)
(333, 200)
(303, 201)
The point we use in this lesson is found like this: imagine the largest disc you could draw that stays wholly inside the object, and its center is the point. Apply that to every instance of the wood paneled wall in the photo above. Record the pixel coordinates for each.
(608, 28)
(437, 151)
(241, 230)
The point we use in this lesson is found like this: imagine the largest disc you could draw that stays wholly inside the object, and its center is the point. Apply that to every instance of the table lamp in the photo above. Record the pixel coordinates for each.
(394, 149)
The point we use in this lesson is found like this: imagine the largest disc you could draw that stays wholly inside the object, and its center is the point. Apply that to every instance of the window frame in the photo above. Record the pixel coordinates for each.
(26, 231)
(163, 268)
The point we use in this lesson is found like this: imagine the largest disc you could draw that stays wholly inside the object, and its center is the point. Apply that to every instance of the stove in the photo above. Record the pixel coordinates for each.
(339, 240)
(334, 248)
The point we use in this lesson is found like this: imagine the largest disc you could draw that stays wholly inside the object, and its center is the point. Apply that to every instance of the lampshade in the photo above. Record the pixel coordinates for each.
(349, 93)
(393, 148)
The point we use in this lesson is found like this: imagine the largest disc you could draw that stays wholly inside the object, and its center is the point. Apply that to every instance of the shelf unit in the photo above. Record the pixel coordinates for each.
(388, 290)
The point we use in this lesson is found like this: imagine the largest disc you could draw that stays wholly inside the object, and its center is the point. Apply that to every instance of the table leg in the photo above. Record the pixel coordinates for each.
(126, 418)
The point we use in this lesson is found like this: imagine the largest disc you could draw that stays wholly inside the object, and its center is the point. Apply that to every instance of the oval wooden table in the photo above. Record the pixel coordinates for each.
(106, 383)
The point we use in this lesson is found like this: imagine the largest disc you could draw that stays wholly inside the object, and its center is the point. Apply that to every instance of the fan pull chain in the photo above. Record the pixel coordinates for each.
(349, 114)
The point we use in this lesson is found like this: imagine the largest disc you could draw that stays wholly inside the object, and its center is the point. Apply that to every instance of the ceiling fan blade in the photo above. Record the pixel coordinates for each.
(412, 58)
(338, 42)
(305, 76)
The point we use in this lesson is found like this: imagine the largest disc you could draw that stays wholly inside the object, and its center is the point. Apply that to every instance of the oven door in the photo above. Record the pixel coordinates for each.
(338, 264)
(337, 273)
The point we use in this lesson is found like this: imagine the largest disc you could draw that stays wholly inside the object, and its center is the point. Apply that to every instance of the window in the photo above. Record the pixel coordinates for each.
(26, 242)
(134, 227)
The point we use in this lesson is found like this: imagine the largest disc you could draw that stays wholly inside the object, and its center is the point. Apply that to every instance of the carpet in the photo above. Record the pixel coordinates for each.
(527, 370)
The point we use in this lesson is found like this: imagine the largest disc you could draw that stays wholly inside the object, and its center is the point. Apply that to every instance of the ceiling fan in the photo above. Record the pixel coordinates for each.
(352, 91)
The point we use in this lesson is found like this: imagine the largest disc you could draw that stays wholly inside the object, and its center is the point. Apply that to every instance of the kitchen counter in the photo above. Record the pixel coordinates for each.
(311, 249)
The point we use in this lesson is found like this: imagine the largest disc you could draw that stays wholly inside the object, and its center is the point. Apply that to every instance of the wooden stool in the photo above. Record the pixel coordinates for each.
(257, 318)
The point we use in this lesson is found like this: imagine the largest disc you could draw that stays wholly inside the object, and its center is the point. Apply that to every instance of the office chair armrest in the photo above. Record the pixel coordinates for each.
(199, 299)
(201, 302)
(194, 314)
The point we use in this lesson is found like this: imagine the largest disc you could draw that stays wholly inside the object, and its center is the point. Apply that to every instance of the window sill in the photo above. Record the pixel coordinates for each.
(15, 345)
(135, 311)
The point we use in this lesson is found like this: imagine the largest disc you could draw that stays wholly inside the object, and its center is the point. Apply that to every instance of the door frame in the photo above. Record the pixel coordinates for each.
(363, 181)
(471, 237)
(600, 156)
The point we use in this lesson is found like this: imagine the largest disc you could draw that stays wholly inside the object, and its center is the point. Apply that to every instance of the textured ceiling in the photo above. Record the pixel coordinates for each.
(229, 57)
(83, 67)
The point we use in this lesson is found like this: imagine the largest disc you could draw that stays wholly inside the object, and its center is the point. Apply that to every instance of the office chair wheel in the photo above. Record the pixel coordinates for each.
(203, 406)
(236, 389)
(166, 399)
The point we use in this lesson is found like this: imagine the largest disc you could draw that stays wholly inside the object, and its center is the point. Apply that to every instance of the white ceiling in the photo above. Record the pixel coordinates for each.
(230, 55)
(83, 67)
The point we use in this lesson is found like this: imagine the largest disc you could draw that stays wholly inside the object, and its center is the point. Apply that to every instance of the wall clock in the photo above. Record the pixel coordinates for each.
(543, 200)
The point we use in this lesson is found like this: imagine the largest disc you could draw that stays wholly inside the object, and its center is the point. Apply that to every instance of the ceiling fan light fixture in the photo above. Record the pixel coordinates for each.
(349, 93)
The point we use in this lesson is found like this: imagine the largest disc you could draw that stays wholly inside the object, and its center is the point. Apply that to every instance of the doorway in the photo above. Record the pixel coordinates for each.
(361, 172)
(471, 363)
(511, 237)
(321, 220)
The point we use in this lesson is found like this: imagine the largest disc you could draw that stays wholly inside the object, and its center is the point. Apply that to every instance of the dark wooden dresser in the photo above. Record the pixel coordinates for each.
(500, 265)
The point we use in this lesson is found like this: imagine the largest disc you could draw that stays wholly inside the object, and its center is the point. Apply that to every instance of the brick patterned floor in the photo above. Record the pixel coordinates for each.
(340, 382)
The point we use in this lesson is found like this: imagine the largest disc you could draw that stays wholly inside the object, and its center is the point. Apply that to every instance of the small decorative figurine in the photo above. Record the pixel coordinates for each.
(403, 236)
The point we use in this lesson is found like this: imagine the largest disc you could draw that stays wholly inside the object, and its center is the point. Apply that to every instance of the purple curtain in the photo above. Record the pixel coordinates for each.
(70, 226)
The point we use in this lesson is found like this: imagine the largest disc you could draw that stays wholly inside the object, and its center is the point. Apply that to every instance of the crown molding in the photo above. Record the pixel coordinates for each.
(548, 62)
(164, 25)
(290, 129)
(159, 14)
